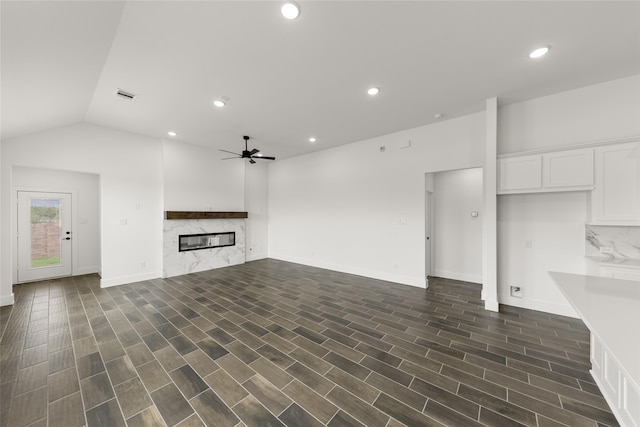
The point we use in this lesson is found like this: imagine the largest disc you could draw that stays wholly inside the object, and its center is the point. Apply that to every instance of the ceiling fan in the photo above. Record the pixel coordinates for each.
(246, 154)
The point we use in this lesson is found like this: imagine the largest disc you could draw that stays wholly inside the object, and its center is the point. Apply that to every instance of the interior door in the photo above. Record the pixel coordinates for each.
(44, 235)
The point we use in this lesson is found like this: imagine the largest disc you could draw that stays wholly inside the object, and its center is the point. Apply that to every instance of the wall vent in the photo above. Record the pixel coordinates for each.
(126, 95)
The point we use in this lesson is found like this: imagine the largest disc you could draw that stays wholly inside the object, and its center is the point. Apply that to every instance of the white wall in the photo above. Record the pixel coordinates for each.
(130, 189)
(195, 179)
(555, 222)
(601, 112)
(457, 236)
(86, 214)
(359, 210)
(257, 205)
(6, 290)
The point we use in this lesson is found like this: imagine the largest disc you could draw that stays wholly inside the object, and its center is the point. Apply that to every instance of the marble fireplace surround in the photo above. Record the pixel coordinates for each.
(176, 223)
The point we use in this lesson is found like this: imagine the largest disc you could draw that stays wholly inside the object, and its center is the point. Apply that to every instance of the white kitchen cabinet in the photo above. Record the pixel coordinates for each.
(616, 197)
(617, 386)
(520, 174)
(609, 308)
(566, 170)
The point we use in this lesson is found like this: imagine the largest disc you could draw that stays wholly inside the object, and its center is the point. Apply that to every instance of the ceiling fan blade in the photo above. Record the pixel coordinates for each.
(254, 151)
(230, 152)
(252, 161)
(227, 158)
(263, 157)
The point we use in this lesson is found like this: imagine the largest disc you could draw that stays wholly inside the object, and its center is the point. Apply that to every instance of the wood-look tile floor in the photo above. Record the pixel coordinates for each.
(271, 343)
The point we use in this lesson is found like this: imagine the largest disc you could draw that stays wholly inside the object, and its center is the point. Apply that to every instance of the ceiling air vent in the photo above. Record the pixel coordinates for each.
(126, 95)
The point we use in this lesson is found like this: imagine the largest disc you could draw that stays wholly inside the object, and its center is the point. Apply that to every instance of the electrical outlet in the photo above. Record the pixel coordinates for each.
(528, 244)
(516, 291)
(143, 264)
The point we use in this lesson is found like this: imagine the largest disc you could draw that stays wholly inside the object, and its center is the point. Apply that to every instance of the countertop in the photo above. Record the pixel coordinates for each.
(611, 310)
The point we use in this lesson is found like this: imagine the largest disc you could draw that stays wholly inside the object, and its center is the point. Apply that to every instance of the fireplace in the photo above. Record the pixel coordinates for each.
(196, 242)
(199, 241)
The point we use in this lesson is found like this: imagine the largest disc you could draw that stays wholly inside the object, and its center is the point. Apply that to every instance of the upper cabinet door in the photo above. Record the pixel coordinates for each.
(569, 169)
(519, 174)
(616, 197)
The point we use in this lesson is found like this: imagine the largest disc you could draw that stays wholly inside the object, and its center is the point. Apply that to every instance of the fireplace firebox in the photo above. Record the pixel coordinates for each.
(194, 242)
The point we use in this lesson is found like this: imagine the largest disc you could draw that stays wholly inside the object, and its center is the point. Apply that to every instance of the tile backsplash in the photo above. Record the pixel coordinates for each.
(612, 241)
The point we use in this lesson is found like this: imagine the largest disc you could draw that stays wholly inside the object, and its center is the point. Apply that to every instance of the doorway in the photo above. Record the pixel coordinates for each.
(428, 242)
(453, 224)
(44, 235)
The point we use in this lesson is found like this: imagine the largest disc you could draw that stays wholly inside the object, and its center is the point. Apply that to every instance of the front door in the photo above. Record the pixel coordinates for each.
(44, 235)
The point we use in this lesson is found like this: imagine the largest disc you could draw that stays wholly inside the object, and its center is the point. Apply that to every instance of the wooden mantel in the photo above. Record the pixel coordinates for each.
(203, 215)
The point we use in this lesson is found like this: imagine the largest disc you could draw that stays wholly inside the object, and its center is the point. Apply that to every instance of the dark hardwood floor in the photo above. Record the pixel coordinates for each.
(271, 343)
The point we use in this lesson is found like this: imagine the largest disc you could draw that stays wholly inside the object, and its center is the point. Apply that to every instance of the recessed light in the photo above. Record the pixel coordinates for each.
(290, 10)
(312, 139)
(219, 103)
(541, 51)
(171, 133)
(373, 91)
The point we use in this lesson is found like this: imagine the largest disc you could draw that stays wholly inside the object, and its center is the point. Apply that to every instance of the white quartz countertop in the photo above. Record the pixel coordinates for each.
(611, 310)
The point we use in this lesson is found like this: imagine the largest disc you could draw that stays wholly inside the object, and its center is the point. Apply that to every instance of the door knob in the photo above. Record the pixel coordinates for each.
(67, 238)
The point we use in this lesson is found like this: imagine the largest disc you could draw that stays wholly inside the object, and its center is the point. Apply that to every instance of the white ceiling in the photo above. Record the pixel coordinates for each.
(62, 62)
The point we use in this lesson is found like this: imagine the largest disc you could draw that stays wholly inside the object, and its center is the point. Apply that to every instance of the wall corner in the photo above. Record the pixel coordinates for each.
(490, 209)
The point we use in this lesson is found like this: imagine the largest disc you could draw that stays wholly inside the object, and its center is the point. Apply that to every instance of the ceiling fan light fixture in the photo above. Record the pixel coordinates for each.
(539, 52)
(290, 10)
(248, 154)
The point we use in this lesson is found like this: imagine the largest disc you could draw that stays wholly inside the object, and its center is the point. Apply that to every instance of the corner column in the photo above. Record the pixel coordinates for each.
(490, 210)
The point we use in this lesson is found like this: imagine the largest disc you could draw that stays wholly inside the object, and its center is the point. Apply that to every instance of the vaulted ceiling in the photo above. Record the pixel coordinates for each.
(286, 81)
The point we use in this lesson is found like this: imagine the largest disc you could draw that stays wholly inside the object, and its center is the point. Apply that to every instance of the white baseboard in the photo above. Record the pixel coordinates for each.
(7, 300)
(122, 280)
(87, 270)
(491, 305)
(255, 256)
(418, 282)
(454, 275)
(532, 304)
